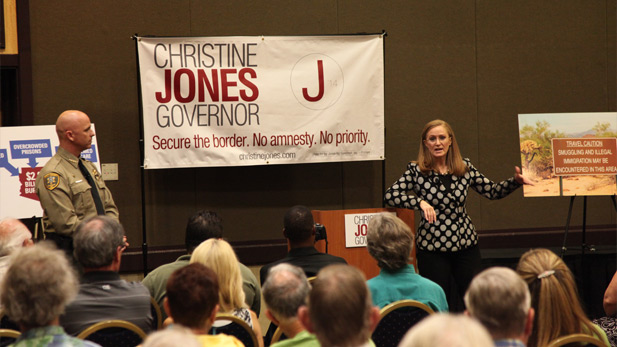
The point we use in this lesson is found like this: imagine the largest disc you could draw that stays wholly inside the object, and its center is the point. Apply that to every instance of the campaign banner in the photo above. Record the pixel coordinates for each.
(23, 153)
(236, 101)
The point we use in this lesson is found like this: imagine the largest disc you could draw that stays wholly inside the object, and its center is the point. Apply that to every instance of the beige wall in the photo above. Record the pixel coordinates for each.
(475, 63)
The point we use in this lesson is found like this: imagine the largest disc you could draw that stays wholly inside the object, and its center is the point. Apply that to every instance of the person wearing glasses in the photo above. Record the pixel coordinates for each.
(447, 242)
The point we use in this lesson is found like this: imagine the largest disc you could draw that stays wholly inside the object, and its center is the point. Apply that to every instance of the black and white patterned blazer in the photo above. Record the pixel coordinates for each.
(453, 230)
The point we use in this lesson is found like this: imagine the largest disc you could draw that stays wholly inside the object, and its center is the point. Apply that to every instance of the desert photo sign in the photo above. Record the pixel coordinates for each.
(568, 154)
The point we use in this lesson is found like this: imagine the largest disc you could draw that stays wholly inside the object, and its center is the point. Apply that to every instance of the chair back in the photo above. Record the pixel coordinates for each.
(112, 333)
(156, 313)
(577, 340)
(396, 319)
(278, 336)
(7, 323)
(237, 328)
(8, 336)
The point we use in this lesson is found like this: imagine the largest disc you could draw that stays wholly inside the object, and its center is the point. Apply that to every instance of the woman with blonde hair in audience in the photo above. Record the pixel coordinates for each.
(220, 257)
(554, 298)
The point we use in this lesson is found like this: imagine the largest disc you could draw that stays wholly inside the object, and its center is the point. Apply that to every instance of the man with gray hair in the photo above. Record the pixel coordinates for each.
(499, 299)
(99, 243)
(285, 291)
(13, 235)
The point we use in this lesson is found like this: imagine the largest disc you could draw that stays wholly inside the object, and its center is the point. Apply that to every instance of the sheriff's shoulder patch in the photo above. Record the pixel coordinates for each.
(51, 180)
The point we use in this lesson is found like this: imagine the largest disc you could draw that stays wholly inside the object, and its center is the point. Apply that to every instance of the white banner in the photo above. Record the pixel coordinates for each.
(23, 153)
(232, 101)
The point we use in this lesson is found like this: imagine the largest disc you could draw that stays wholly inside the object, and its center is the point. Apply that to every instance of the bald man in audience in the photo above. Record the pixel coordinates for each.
(447, 330)
(70, 188)
(285, 291)
(340, 310)
(13, 235)
(499, 299)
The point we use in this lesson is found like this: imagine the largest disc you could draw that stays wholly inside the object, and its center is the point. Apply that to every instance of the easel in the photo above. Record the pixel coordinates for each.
(584, 245)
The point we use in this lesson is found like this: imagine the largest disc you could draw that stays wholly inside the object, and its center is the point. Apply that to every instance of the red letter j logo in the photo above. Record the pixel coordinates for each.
(321, 85)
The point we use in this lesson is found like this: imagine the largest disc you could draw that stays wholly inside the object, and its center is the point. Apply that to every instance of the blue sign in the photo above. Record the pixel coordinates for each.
(90, 154)
(4, 162)
(30, 149)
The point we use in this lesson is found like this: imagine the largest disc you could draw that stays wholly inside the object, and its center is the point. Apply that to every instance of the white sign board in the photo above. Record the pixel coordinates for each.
(23, 153)
(236, 101)
(356, 226)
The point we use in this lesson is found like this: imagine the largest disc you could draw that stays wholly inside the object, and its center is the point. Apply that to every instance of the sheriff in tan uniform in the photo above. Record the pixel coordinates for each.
(65, 193)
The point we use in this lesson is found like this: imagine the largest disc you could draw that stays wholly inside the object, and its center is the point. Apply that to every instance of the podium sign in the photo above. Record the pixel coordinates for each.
(337, 227)
(356, 226)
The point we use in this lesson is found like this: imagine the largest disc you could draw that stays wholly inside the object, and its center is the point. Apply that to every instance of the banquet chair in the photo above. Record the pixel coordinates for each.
(577, 340)
(237, 328)
(116, 333)
(8, 336)
(156, 314)
(396, 319)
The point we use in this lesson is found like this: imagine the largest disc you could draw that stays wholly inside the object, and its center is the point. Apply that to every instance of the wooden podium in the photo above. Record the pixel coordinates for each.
(334, 221)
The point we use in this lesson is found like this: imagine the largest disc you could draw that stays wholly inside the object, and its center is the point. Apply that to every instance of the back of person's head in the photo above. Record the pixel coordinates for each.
(220, 257)
(171, 337)
(13, 235)
(201, 226)
(554, 297)
(500, 300)
(37, 286)
(389, 240)
(340, 307)
(192, 295)
(447, 330)
(285, 290)
(96, 241)
(298, 223)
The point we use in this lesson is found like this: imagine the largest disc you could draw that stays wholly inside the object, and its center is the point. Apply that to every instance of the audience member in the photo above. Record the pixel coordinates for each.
(610, 298)
(340, 311)
(285, 291)
(13, 235)
(390, 242)
(608, 323)
(447, 330)
(171, 337)
(192, 302)
(102, 294)
(201, 226)
(220, 257)
(299, 230)
(554, 298)
(499, 299)
(37, 286)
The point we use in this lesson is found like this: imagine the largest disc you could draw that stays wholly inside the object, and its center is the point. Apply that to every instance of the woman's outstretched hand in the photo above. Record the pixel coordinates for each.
(520, 178)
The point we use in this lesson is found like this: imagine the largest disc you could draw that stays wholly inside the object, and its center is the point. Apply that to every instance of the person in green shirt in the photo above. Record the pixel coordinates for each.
(285, 291)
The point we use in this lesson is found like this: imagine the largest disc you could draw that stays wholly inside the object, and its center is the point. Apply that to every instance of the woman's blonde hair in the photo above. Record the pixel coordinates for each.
(454, 160)
(220, 257)
(554, 297)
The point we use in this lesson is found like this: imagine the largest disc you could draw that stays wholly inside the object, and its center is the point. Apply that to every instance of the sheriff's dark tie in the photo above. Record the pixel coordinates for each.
(100, 210)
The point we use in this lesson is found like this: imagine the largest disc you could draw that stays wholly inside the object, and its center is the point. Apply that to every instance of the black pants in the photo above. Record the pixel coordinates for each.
(453, 271)
(64, 243)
